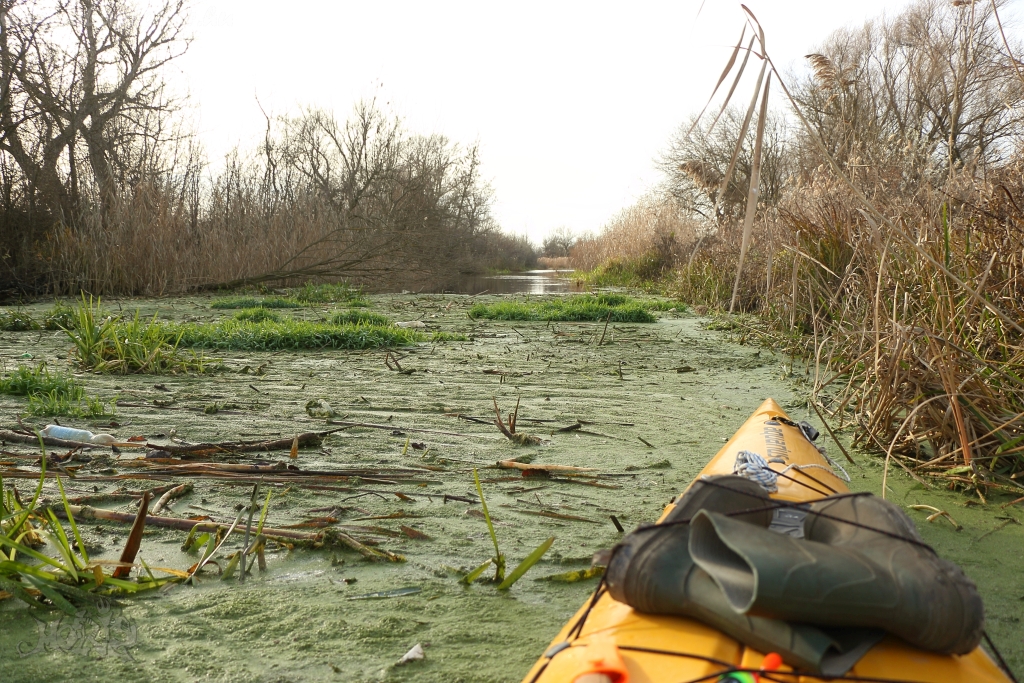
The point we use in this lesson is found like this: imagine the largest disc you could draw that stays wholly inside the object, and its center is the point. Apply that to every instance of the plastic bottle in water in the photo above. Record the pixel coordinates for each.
(79, 435)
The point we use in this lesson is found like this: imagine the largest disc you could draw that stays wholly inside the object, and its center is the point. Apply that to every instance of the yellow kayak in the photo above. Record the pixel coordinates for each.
(608, 641)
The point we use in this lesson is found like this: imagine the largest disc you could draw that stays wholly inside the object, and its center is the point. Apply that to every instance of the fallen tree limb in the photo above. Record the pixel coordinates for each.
(307, 440)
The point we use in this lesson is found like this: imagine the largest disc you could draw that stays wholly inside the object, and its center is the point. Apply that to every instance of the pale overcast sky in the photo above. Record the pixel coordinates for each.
(571, 102)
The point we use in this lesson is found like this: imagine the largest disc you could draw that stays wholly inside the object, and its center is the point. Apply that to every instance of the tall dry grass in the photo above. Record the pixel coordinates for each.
(646, 238)
(896, 273)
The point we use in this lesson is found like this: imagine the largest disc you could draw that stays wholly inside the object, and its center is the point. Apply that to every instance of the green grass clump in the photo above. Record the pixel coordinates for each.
(361, 318)
(51, 393)
(59, 317)
(643, 272)
(128, 346)
(26, 381)
(664, 305)
(46, 564)
(609, 299)
(326, 293)
(257, 315)
(54, 403)
(17, 321)
(290, 335)
(580, 308)
(255, 302)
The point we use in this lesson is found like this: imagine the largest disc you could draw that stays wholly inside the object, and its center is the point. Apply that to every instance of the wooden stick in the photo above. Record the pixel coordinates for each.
(607, 320)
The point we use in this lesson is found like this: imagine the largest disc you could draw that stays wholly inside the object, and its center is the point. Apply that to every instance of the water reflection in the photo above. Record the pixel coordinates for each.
(527, 282)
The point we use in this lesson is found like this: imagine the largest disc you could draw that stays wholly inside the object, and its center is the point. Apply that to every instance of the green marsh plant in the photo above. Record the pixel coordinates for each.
(254, 302)
(579, 308)
(46, 565)
(270, 335)
(52, 393)
(117, 346)
(504, 582)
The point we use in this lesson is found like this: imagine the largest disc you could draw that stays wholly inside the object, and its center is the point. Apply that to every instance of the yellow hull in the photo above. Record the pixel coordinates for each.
(638, 635)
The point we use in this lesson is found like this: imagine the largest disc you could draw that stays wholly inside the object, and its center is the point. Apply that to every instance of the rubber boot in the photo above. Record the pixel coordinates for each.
(843, 574)
(651, 570)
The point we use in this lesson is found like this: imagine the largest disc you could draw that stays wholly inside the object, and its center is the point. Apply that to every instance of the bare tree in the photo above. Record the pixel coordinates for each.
(932, 84)
(558, 242)
(83, 102)
(696, 162)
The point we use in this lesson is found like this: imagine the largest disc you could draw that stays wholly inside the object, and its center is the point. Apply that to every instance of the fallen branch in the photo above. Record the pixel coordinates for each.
(307, 440)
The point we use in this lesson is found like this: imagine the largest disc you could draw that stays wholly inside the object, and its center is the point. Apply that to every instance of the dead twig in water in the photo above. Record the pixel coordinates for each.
(176, 492)
(814, 404)
(510, 430)
(315, 539)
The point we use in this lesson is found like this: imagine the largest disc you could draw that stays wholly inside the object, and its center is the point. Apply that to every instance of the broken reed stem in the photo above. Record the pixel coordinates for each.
(325, 537)
(248, 530)
(605, 331)
(171, 494)
(131, 546)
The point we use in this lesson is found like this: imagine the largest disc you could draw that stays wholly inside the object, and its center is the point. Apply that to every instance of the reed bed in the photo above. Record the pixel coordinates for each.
(893, 268)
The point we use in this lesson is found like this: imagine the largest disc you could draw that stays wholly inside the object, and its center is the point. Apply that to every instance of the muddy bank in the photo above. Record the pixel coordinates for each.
(673, 385)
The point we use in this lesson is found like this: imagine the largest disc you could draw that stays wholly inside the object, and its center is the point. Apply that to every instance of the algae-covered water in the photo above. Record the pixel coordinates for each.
(671, 384)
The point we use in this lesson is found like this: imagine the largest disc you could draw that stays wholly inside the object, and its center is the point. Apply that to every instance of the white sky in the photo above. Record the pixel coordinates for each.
(571, 102)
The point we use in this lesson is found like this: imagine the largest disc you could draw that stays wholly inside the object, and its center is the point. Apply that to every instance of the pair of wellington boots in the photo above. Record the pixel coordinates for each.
(821, 601)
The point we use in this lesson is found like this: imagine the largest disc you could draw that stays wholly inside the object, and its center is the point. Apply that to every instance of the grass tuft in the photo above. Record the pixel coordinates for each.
(326, 293)
(255, 302)
(257, 315)
(361, 318)
(51, 393)
(581, 308)
(112, 345)
(59, 317)
(271, 335)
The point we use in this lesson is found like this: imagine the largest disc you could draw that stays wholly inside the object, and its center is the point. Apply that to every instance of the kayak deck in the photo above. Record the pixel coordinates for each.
(657, 648)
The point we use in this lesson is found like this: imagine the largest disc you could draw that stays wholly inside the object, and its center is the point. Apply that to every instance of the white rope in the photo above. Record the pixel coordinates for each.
(754, 467)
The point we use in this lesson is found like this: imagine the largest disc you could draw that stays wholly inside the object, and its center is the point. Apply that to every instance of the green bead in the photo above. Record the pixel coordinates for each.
(737, 677)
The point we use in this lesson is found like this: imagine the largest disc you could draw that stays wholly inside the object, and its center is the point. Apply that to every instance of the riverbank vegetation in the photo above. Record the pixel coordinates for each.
(106, 189)
(884, 241)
